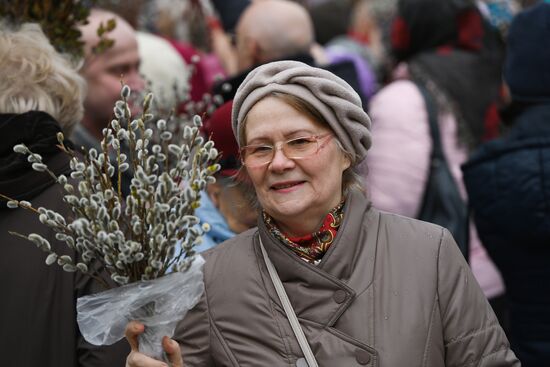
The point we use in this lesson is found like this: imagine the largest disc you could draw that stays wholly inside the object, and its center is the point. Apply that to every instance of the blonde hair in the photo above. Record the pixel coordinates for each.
(36, 77)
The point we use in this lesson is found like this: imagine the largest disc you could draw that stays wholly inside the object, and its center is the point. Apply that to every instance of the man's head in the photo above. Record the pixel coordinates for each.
(272, 29)
(104, 71)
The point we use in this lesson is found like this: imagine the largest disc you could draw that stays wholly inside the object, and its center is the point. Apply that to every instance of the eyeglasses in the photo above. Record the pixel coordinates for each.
(258, 155)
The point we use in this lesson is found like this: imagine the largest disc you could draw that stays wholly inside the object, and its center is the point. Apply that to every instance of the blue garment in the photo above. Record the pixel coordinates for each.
(219, 230)
(508, 183)
(500, 12)
(528, 58)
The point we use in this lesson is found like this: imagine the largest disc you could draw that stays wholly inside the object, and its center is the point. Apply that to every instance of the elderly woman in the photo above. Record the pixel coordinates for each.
(366, 287)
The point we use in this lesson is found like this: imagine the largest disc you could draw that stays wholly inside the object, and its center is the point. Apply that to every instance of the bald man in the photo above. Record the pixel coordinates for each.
(103, 73)
(270, 30)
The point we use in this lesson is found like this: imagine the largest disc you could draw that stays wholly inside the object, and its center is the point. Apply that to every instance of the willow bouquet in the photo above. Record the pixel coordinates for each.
(144, 241)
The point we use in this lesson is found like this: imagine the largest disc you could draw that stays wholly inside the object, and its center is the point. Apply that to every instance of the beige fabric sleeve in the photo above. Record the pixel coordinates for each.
(472, 334)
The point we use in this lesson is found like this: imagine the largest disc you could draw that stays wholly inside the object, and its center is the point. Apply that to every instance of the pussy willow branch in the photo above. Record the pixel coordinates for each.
(7, 198)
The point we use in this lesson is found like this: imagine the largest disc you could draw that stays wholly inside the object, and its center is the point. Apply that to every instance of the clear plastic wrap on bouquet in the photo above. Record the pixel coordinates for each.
(159, 304)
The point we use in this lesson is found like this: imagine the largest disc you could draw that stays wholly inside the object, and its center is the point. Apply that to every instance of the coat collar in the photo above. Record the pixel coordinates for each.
(322, 293)
(38, 131)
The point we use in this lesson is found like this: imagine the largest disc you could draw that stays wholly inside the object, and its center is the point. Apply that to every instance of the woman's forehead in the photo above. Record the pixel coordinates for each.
(272, 115)
(281, 129)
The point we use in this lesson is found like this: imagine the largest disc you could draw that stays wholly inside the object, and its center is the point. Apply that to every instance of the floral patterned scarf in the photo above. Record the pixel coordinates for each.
(310, 247)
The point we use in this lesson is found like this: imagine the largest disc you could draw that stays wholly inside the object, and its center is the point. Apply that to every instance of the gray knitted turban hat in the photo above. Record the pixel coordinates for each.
(331, 96)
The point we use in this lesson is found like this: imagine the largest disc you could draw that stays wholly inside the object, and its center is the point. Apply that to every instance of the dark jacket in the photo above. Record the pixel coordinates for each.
(508, 183)
(390, 292)
(37, 312)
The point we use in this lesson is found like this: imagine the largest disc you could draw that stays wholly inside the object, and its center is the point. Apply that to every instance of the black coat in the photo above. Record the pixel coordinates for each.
(508, 183)
(37, 310)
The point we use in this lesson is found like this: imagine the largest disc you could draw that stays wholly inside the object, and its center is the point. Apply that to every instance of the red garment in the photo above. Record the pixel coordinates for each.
(218, 128)
(311, 247)
(207, 68)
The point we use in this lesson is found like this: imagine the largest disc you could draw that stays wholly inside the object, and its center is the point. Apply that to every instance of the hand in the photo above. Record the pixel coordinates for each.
(137, 359)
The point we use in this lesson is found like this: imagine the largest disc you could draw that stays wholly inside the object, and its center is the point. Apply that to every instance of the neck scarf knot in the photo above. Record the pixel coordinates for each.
(311, 247)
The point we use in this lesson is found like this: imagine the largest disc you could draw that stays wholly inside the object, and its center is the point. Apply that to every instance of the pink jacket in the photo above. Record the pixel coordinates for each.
(398, 163)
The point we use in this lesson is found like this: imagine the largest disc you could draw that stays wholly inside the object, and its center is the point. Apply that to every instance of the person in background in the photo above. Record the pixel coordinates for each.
(270, 30)
(363, 287)
(366, 33)
(196, 33)
(165, 72)
(42, 95)
(444, 46)
(363, 41)
(225, 205)
(507, 182)
(104, 71)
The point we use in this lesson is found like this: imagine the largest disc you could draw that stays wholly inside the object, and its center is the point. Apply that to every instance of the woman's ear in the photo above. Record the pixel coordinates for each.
(346, 162)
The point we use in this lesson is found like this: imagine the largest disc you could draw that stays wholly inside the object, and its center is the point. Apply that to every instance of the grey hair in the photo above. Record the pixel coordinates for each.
(36, 77)
(351, 178)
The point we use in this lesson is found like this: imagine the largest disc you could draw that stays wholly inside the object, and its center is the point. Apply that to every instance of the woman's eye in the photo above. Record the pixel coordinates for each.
(263, 149)
(299, 142)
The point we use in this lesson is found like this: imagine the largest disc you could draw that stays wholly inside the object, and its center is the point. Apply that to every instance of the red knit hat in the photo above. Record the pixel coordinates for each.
(218, 128)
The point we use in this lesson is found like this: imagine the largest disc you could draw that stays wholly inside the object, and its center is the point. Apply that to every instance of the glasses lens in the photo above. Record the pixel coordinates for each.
(259, 155)
(256, 155)
(301, 147)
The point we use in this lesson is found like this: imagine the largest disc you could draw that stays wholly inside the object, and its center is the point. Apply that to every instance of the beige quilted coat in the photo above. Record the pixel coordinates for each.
(390, 292)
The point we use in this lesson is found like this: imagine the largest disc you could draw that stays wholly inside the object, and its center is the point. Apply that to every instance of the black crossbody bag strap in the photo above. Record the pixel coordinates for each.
(459, 226)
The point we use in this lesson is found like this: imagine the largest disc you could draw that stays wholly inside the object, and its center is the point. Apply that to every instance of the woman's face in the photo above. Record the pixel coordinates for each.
(296, 193)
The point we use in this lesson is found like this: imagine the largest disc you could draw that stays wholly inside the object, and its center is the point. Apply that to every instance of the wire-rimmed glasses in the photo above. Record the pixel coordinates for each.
(257, 155)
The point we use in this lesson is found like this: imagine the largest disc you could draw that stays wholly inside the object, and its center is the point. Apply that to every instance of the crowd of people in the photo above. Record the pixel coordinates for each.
(323, 112)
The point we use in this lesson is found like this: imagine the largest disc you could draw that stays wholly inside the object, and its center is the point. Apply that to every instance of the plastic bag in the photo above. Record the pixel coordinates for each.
(159, 304)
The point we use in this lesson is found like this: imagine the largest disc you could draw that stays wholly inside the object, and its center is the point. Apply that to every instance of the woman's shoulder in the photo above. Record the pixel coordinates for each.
(238, 242)
(232, 254)
(410, 233)
(415, 247)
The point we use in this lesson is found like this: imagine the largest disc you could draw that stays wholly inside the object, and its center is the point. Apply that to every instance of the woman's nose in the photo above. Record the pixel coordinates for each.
(280, 161)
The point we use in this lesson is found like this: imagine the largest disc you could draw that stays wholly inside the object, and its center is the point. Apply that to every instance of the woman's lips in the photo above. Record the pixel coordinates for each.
(286, 186)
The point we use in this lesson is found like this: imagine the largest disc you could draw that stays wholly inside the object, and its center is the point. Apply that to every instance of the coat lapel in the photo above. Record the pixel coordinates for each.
(324, 292)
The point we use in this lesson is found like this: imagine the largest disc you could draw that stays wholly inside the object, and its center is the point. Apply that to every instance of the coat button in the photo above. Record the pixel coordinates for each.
(301, 363)
(362, 356)
(339, 296)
